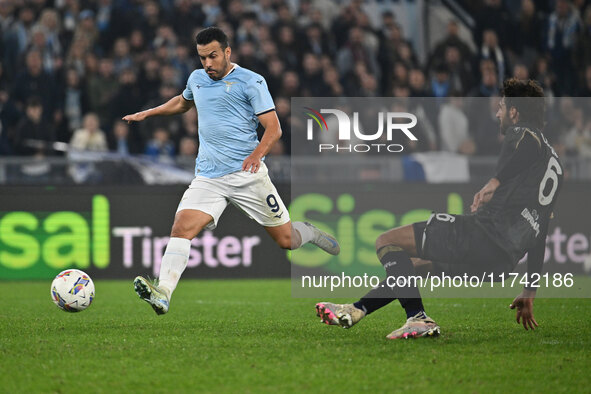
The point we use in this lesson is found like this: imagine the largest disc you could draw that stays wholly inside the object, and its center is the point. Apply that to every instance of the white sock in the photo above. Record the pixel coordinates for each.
(306, 232)
(173, 264)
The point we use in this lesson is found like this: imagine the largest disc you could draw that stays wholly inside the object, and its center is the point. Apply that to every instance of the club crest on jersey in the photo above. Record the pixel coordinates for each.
(229, 85)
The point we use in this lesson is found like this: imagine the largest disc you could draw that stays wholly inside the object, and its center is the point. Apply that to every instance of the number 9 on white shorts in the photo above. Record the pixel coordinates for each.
(253, 193)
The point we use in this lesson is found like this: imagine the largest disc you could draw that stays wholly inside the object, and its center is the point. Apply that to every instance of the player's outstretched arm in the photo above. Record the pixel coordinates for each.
(176, 105)
(524, 303)
(270, 122)
(535, 264)
(485, 194)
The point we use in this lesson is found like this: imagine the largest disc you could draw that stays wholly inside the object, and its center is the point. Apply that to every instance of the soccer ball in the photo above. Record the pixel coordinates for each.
(72, 290)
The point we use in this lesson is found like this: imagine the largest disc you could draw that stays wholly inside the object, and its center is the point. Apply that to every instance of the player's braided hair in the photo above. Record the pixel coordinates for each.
(210, 34)
(527, 97)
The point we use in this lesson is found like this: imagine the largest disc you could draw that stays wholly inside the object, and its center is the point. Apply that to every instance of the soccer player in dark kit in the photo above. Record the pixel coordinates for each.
(510, 217)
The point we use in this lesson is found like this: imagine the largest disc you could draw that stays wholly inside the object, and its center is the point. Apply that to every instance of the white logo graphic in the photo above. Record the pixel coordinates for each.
(389, 123)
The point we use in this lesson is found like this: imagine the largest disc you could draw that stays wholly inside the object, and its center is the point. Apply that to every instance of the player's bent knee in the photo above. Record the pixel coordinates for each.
(385, 239)
(183, 230)
(178, 232)
(284, 242)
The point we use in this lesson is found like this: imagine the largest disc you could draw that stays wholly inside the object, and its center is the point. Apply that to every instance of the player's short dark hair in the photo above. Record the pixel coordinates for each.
(527, 97)
(210, 34)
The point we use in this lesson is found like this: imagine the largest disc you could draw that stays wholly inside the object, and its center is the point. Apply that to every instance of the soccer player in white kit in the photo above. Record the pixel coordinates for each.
(231, 101)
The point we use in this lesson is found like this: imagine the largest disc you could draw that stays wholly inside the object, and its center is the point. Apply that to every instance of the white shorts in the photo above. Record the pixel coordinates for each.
(253, 193)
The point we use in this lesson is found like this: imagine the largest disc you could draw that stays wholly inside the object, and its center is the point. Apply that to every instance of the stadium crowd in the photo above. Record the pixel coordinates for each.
(72, 68)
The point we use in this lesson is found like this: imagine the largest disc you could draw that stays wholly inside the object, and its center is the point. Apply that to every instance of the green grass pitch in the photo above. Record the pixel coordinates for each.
(252, 336)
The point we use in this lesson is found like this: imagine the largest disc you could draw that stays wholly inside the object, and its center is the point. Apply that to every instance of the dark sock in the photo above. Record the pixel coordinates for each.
(398, 264)
(376, 298)
(412, 306)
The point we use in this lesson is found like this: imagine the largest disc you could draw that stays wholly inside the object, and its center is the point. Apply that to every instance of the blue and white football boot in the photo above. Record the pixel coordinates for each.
(152, 294)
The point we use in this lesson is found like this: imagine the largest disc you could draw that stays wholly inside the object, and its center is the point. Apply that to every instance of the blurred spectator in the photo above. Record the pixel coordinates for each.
(149, 78)
(165, 42)
(417, 83)
(289, 50)
(33, 81)
(491, 50)
(102, 88)
(495, 17)
(451, 40)
(170, 76)
(235, 10)
(160, 148)
(526, 40)
(213, 11)
(32, 136)
(400, 73)
(172, 125)
(282, 106)
(187, 14)
(520, 72)
(577, 139)
(187, 153)
(582, 52)
(86, 32)
(290, 85)
(563, 26)
(355, 51)
(9, 116)
(485, 125)
(121, 141)
(401, 90)
(389, 52)
(150, 20)
(440, 84)
(106, 23)
(70, 19)
(330, 78)
(16, 39)
(90, 137)
(247, 58)
(275, 76)
(76, 57)
(561, 120)
(183, 63)
(545, 76)
(453, 127)
(316, 41)
(489, 84)
(121, 57)
(247, 30)
(45, 38)
(128, 99)
(265, 11)
(585, 88)
(137, 46)
(189, 124)
(6, 17)
(74, 99)
(91, 63)
(312, 79)
(460, 73)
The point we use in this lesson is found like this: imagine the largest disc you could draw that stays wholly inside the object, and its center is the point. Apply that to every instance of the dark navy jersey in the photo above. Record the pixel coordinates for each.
(530, 174)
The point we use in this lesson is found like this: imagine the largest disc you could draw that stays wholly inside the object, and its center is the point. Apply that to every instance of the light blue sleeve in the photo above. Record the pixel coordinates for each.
(259, 96)
(188, 93)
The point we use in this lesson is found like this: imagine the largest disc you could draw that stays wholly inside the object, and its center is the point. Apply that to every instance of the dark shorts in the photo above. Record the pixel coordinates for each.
(456, 244)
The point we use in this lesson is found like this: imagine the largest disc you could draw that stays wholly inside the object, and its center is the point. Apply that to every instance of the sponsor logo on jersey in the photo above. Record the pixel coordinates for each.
(229, 85)
(532, 219)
